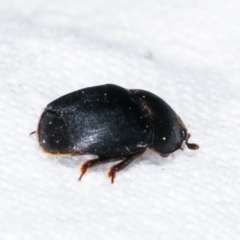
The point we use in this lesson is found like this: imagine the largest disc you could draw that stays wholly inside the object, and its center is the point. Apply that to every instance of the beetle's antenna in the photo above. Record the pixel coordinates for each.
(192, 146)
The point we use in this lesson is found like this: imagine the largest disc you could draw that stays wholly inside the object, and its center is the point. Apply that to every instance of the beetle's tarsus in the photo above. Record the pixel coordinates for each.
(192, 146)
(112, 175)
(80, 178)
(86, 165)
(83, 170)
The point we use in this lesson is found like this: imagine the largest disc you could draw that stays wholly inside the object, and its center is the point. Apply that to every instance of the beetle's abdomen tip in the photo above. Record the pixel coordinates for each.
(53, 134)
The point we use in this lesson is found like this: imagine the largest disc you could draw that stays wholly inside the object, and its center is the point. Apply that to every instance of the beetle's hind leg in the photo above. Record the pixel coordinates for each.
(31, 133)
(125, 162)
(94, 162)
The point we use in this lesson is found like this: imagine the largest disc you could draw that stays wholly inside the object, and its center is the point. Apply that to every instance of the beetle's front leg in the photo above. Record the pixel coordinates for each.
(118, 167)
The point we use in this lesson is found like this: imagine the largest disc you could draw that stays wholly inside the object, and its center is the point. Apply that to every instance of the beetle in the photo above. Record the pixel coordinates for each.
(112, 123)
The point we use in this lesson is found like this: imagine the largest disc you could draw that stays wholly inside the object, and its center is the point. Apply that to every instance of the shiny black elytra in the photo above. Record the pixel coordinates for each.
(113, 123)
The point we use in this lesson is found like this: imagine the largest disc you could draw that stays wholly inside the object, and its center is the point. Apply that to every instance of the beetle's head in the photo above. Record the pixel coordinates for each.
(169, 136)
(53, 133)
(185, 135)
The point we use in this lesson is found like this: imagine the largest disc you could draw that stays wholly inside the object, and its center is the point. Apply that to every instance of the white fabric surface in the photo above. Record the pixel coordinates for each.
(187, 52)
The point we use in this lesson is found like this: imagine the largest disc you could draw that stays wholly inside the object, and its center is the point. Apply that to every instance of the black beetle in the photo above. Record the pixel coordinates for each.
(113, 123)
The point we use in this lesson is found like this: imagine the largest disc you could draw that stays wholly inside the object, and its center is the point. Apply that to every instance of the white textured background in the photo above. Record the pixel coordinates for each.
(187, 52)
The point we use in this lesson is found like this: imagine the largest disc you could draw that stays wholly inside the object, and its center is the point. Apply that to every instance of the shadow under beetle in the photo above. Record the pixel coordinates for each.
(113, 123)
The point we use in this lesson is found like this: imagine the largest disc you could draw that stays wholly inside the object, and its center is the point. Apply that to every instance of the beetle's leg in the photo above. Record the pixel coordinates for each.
(32, 133)
(94, 162)
(118, 167)
(192, 146)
